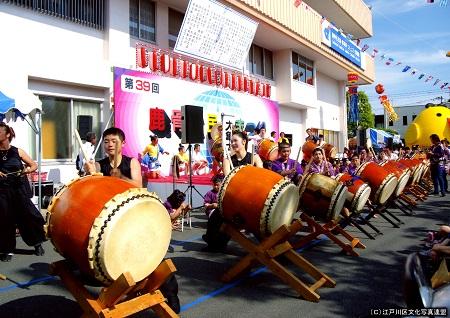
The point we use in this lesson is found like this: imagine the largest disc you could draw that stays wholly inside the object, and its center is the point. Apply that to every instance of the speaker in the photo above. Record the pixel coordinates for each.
(84, 125)
(192, 125)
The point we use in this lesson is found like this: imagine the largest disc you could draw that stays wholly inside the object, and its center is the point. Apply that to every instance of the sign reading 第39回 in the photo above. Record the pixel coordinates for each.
(341, 44)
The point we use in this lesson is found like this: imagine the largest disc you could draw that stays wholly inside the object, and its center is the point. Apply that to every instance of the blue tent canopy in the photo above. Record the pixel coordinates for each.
(21, 103)
(377, 138)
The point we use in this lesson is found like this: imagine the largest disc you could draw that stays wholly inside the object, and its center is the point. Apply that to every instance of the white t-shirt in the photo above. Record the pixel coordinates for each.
(197, 156)
(89, 150)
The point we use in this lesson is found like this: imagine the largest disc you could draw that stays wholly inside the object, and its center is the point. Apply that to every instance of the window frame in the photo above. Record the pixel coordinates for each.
(168, 26)
(251, 66)
(305, 64)
(405, 120)
(74, 147)
(138, 37)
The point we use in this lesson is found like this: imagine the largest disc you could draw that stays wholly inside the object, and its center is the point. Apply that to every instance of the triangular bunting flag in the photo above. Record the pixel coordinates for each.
(436, 81)
(421, 76)
(398, 63)
(389, 61)
(428, 78)
(413, 72)
(443, 85)
(383, 56)
(297, 3)
(443, 3)
(364, 48)
(406, 68)
(374, 52)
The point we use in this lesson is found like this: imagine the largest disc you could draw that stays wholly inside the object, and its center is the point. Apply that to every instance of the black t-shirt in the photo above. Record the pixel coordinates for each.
(124, 167)
(247, 160)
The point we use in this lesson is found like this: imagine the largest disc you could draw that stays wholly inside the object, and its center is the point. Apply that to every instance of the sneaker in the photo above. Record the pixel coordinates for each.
(38, 250)
(6, 257)
(442, 194)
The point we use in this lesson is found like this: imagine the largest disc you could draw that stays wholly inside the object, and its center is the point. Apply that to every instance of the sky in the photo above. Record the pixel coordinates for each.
(417, 34)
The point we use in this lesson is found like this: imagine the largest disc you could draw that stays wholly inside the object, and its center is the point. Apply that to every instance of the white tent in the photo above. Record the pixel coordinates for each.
(18, 103)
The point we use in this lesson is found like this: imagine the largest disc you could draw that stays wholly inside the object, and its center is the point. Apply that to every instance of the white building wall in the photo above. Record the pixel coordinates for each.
(52, 56)
(409, 112)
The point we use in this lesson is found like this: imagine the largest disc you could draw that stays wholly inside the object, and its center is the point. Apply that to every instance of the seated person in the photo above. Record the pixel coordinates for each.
(320, 165)
(181, 161)
(150, 155)
(210, 199)
(198, 161)
(354, 164)
(286, 166)
(176, 207)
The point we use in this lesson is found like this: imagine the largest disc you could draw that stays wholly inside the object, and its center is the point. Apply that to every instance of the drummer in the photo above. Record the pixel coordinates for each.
(122, 166)
(354, 164)
(287, 167)
(320, 165)
(241, 157)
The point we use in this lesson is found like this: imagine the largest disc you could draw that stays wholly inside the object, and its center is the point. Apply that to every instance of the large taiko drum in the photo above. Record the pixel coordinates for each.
(414, 167)
(307, 149)
(322, 196)
(330, 151)
(267, 149)
(358, 191)
(382, 182)
(400, 171)
(258, 200)
(107, 227)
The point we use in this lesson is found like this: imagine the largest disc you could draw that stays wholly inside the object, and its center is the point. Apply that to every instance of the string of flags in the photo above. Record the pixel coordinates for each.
(388, 60)
(442, 3)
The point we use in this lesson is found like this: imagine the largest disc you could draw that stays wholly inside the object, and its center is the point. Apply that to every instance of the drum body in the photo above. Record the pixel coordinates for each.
(307, 149)
(402, 174)
(322, 196)
(107, 227)
(267, 149)
(382, 182)
(358, 191)
(414, 167)
(330, 151)
(258, 200)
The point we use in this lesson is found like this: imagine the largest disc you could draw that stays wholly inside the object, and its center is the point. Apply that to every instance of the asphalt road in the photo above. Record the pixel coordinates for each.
(372, 280)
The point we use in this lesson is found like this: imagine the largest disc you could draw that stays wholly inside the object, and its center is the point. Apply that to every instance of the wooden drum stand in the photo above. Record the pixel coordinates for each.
(266, 253)
(124, 296)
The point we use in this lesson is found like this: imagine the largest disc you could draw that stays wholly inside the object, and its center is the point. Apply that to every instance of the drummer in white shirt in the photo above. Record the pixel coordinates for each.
(199, 162)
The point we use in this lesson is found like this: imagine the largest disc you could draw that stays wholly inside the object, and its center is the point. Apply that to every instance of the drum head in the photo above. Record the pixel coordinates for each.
(280, 207)
(361, 198)
(131, 234)
(387, 189)
(402, 182)
(337, 201)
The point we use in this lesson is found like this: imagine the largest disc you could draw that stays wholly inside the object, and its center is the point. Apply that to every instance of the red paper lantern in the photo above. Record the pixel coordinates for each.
(383, 98)
(164, 63)
(379, 89)
(352, 77)
(141, 57)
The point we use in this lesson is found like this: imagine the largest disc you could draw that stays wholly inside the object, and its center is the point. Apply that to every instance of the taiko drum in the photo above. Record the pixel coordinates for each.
(267, 149)
(258, 200)
(382, 182)
(107, 227)
(358, 191)
(402, 174)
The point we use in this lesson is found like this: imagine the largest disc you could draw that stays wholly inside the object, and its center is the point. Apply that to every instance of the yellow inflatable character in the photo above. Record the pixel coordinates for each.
(432, 120)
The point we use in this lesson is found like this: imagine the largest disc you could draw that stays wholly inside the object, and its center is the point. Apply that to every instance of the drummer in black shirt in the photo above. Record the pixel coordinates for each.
(127, 168)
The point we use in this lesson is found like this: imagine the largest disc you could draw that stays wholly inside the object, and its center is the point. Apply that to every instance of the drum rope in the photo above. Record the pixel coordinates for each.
(102, 230)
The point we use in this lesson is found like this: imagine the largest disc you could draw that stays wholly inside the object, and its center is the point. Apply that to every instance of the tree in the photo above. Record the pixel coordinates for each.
(366, 117)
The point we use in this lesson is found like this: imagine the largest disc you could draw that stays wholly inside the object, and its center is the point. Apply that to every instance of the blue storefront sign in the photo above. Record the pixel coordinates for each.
(341, 44)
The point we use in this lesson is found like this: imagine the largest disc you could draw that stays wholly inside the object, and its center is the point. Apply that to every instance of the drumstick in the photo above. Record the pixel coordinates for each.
(253, 154)
(296, 160)
(116, 153)
(308, 166)
(3, 277)
(80, 143)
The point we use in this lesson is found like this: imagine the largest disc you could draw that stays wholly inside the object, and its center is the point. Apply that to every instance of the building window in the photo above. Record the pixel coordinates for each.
(88, 13)
(391, 123)
(260, 61)
(60, 116)
(414, 117)
(142, 20)
(302, 69)
(405, 120)
(175, 22)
